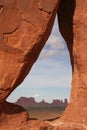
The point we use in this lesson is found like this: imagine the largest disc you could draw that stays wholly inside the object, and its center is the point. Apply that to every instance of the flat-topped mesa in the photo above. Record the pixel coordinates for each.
(25, 25)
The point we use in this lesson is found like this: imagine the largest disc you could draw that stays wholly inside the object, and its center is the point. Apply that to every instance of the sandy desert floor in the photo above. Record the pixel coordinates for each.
(45, 113)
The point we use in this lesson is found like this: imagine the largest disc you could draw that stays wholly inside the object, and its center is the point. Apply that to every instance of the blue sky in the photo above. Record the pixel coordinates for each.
(50, 76)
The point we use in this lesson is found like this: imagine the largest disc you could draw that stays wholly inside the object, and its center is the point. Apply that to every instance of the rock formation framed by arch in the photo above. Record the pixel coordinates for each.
(25, 25)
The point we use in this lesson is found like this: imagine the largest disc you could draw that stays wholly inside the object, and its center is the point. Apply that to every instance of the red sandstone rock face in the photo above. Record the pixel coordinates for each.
(14, 117)
(74, 30)
(24, 28)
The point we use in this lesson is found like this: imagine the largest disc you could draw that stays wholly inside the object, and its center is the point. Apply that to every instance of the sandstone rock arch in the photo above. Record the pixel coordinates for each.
(72, 29)
(22, 38)
(24, 29)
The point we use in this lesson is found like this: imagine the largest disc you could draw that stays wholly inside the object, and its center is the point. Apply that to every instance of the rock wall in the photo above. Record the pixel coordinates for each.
(73, 26)
(25, 26)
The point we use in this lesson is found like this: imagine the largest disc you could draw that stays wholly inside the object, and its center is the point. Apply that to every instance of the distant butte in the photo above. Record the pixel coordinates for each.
(30, 102)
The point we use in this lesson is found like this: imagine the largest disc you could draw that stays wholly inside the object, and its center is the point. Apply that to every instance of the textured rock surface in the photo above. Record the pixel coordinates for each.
(14, 117)
(73, 26)
(24, 28)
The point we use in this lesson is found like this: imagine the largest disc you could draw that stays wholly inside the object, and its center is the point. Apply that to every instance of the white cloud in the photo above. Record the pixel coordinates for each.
(55, 42)
(46, 81)
(54, 47)
(50, 74)
(36, 95)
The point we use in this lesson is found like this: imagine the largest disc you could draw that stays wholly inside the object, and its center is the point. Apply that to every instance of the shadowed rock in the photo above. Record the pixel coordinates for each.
(14, 117)
(73, 26)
